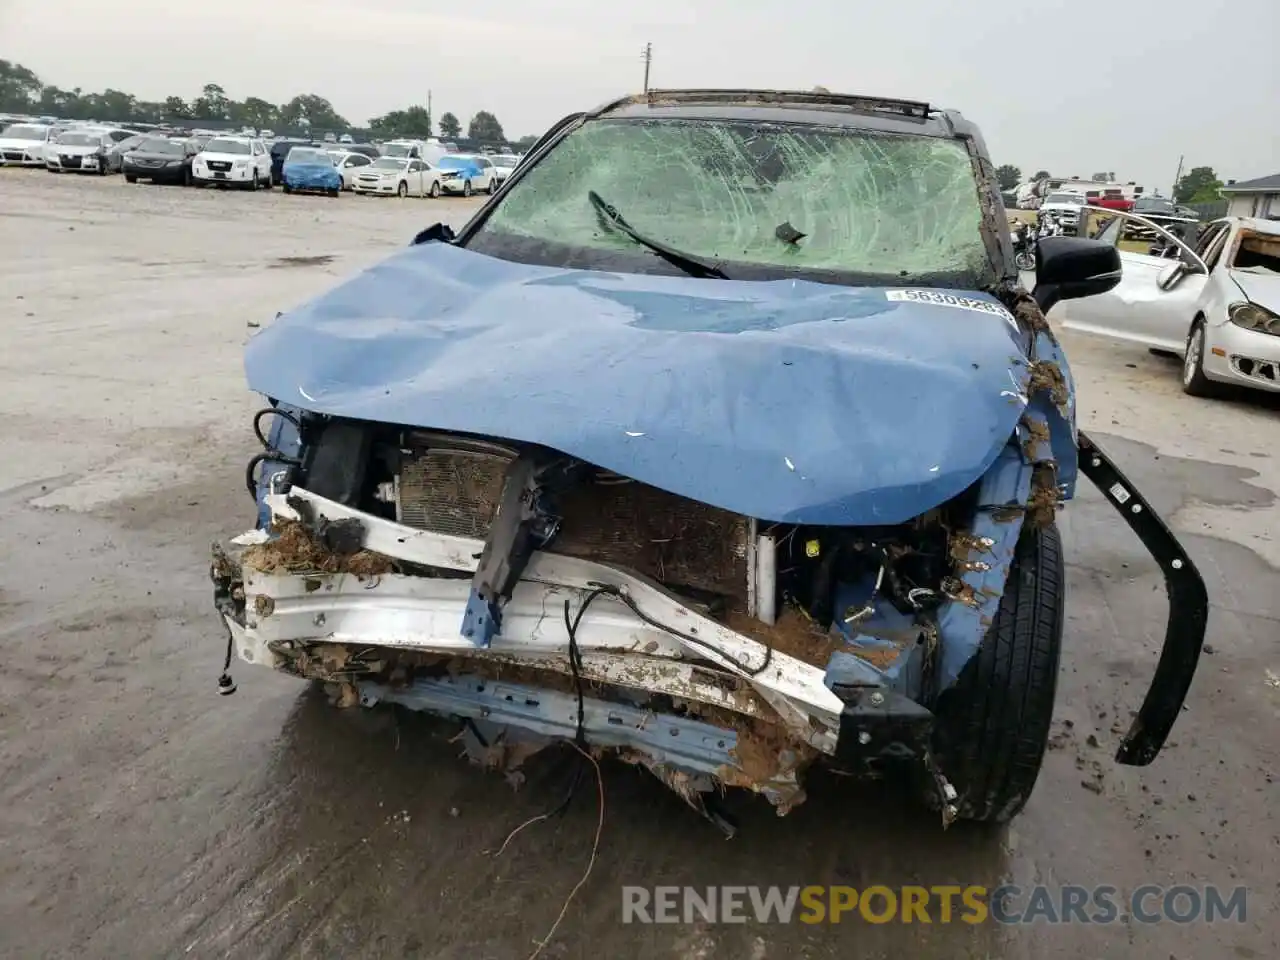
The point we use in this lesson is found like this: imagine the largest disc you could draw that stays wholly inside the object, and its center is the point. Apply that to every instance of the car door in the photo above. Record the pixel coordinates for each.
(486, 173)
(416, 168)
(351, 166)
(1155, 300)
(1221, 241)
(430, 177)
(261, 159)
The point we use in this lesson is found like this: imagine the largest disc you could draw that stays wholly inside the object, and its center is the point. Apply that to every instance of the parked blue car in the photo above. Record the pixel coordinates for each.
(724, 439)
(310, 169)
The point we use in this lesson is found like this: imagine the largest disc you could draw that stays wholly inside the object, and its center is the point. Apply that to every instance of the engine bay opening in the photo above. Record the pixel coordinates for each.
(803, 590)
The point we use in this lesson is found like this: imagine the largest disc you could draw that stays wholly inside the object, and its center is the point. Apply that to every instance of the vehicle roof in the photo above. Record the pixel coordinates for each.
(1257, 224)
(818, 108)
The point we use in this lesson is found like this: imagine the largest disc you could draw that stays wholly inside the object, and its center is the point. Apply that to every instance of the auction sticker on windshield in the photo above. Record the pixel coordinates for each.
(940, 299)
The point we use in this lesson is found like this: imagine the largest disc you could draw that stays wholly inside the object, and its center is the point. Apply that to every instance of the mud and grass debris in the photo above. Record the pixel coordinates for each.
(295, 549)
(794, 634)
(1042, 503)
(962, 545)
(1047, 375)
(1037, 436)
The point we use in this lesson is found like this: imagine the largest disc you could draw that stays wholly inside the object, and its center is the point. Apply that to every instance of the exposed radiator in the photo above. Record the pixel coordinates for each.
(454, 487)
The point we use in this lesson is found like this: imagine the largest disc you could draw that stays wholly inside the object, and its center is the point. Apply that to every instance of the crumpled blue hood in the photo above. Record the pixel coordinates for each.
(783, 400)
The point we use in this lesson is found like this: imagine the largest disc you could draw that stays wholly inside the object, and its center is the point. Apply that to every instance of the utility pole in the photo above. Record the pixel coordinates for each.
(647, 57)
(1176, 177)
(430, 119)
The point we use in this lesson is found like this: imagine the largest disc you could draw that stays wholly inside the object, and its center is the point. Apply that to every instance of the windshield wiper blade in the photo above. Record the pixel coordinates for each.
(683, 261)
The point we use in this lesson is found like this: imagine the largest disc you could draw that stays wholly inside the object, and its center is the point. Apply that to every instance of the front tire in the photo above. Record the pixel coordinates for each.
(434, 192)
(402, 191)
(992, 726)
(466, 189)
(1194, 382)
(493, 186)
(130, 178)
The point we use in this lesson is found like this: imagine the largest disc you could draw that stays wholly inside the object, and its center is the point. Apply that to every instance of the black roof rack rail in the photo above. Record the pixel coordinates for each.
(815, 98)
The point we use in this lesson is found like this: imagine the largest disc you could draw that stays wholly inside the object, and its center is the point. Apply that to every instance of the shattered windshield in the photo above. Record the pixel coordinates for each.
(785, 197)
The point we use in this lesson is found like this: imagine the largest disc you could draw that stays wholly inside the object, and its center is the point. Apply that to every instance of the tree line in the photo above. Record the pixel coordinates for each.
(23, 92)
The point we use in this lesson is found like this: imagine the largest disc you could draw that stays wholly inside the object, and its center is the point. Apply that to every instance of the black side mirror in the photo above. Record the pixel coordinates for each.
(1072, 267)
(436, 233)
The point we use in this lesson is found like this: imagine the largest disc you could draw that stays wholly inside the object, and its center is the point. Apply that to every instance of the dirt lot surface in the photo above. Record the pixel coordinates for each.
(142, 815)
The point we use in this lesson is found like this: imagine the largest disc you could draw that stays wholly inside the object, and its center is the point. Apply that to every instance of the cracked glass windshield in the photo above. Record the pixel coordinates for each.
(790, 197)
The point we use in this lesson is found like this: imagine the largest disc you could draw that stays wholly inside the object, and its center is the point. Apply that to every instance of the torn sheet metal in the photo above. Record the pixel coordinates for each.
(688, 754)
(704, 388)
(984, 567)
(884, 648)
(784, 682)
(424, 612)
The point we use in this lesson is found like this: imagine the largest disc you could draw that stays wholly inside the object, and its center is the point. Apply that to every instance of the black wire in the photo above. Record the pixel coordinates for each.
(575, 657)
(269, 452)
(272, 411)
(575, 667)
(617, 593)
(226, 663)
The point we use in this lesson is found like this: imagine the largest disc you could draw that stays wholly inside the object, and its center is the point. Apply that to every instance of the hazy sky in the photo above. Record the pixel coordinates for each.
(1161, 77)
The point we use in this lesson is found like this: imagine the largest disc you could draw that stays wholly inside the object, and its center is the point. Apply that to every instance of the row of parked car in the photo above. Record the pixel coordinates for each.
(422, 168)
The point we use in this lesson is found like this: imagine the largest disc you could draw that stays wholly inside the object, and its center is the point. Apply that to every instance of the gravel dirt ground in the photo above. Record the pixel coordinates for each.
(142, 815)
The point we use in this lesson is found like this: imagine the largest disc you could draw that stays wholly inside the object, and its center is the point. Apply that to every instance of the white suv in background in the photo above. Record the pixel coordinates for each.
(235, 161)
(1065, 207)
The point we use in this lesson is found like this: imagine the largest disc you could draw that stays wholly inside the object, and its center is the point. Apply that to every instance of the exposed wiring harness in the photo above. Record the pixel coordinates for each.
(572, 622)
(619, 594)
(270, 452)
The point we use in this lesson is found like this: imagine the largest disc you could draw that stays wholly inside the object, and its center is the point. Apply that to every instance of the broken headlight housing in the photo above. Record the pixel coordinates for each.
(1250, 316)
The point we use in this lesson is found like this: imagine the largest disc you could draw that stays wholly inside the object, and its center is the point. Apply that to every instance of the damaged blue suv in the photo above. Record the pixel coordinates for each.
(723, 439)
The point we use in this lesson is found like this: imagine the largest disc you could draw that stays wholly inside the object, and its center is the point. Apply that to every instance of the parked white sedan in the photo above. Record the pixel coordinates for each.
(1217, 304)
(401, 176)
(349, 165)
(503, 165)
